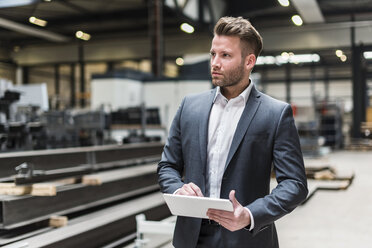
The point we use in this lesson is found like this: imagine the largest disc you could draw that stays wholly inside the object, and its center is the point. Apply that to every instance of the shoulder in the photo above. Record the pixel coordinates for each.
(201, 95)
(272, 106)
(197, 99)
(268, 100)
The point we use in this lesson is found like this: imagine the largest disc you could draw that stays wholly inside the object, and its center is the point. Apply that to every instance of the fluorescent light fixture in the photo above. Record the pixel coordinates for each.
(309, 10)
(367, 55)
(339, 53)
(27, 29)
(284, 3)
(81, 35)
(15, 3)
(343, 58)
(285, 55)
(180, 61)
(185, 27)
(37, 21)
(296, 19)
(266, 60)
(294, 59)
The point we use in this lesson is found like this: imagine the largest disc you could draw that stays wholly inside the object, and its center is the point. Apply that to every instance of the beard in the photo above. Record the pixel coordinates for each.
(229, 78)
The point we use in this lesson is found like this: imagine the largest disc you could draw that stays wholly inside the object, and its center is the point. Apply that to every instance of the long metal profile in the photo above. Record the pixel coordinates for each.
(80, 170)
(116, 184)
(101, 227)
(71, 157)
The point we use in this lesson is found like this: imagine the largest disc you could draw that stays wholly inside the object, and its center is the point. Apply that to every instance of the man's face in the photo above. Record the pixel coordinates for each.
(227, 64)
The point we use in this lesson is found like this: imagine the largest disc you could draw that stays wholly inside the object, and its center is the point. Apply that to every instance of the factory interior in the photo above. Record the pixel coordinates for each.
(89, 89)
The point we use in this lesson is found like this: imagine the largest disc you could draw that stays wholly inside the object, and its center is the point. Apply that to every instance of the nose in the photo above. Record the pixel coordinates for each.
(215, 62)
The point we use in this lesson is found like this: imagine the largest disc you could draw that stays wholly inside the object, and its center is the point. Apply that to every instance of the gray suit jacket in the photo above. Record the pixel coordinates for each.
(265, 138)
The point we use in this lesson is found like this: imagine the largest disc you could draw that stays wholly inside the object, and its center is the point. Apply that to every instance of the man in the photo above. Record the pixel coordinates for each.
(224, 144)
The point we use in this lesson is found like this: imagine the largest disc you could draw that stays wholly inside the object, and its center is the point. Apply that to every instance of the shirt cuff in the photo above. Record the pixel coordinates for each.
(251, 226)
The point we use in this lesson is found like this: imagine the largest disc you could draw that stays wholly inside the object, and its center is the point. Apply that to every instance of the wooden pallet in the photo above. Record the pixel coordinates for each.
(36, 189)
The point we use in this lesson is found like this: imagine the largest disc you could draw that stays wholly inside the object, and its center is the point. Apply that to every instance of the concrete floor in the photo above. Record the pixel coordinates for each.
(340, 219)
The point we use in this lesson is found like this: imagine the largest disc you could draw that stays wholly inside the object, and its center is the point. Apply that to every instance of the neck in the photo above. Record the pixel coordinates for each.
(233, 91)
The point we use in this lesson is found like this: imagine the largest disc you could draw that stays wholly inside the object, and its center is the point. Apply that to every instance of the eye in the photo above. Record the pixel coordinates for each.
(226, 55)
(212, 54)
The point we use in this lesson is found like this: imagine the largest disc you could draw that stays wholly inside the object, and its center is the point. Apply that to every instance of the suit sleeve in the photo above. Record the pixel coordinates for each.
(170, 167)
(290, 175)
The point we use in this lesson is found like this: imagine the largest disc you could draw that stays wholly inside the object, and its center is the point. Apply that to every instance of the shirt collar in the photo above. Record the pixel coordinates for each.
(245, 94)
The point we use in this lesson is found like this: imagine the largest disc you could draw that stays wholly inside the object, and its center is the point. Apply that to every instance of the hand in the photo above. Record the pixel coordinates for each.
(232, 221)
(190, 189)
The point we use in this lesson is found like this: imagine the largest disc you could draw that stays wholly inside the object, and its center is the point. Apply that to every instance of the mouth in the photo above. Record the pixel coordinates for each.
(216, 74)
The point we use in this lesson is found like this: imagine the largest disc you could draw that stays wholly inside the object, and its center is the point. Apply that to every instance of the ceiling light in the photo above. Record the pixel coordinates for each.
(339, 53)
(37, 21)
(82, 35)
(367, 55)
(185, 27)
(265, 60)
(296, 19)
(16, 49)
(315, 57)
(295, 59)
(37, 32)
(285, 55)
(180, 61)
(284, 3)
(343, 58)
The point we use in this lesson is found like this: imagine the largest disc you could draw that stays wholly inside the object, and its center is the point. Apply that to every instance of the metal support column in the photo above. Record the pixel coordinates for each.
(72, 86)
(264, 78)
(288, 82)
(25, 75)
(110, 66)
(359, 86)
(201, 11)
(82, 75)
(326, 83)
(156, 35)
(312, 83)
(56, 84)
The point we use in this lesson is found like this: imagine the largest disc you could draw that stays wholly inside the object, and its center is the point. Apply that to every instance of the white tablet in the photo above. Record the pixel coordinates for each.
(194, 206)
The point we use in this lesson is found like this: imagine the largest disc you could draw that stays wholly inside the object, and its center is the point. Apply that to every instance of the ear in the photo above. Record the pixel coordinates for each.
(250, 61)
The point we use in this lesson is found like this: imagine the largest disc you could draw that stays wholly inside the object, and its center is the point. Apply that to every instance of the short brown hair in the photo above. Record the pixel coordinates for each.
(238, 26)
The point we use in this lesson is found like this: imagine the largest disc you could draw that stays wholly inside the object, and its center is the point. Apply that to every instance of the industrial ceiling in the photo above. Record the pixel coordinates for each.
(107, 20)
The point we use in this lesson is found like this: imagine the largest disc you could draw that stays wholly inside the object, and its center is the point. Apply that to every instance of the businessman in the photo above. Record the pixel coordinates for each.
(224, 143)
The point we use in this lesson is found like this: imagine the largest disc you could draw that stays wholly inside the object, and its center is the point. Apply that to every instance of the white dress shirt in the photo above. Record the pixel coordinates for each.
(223, 120)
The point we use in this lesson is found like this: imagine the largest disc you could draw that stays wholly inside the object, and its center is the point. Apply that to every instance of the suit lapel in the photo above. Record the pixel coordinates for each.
(203, 126)
(245, 120)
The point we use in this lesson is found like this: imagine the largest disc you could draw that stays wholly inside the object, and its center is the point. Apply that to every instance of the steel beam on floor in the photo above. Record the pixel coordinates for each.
(101, 227)
(71, 157)
(116, 184)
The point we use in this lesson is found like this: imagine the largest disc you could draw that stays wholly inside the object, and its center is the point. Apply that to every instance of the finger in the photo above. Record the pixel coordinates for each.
(233, 199)
(225, 222)
(218, 215)
(221, 219)
(196, 189)
(188, 190)
(217, 212)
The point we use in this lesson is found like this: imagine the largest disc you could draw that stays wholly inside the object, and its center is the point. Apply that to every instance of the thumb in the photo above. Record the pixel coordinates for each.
(233, 199)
